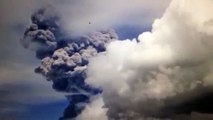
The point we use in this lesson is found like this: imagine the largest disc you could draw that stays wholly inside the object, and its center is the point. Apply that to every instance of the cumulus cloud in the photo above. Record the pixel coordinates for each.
(173, 59)
(94, 111)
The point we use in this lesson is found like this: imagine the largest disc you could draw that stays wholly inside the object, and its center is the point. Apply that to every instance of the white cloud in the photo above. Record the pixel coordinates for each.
(175, 57)
(94, 111)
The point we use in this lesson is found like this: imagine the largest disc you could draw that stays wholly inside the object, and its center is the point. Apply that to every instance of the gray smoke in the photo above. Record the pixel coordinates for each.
(64, 60)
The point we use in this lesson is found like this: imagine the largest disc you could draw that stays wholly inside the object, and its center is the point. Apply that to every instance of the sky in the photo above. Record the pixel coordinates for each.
(26, 95)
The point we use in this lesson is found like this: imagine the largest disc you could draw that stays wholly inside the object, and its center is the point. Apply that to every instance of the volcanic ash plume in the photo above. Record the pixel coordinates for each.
(149, 77)
(140, 78)
(64, 59)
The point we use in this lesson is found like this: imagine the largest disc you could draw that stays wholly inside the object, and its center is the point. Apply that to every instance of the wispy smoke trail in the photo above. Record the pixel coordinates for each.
(64, 59)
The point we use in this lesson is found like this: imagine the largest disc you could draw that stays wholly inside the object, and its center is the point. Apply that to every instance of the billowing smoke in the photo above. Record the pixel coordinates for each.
(170, 64)
(152, 77)
(64, 59)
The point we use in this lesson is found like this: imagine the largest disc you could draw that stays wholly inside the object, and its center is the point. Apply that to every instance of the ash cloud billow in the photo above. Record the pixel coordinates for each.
(64, 59)
(163, 74)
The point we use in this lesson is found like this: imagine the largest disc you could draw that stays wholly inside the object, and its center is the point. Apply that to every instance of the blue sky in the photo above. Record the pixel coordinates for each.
(48, 111)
